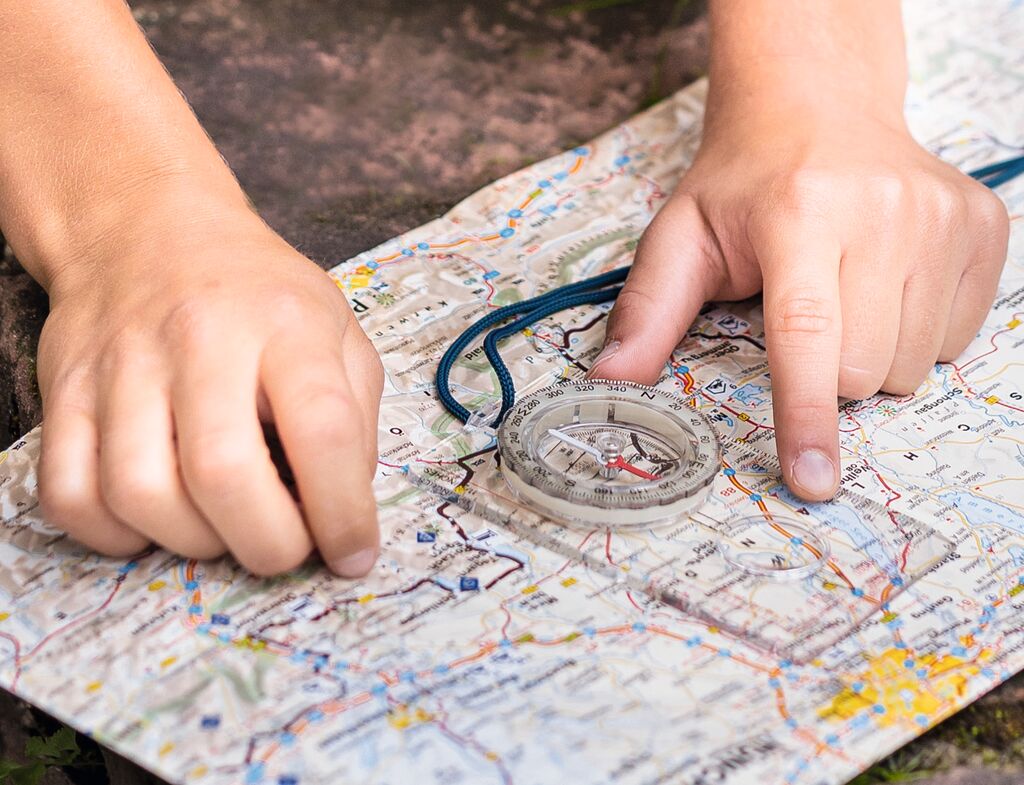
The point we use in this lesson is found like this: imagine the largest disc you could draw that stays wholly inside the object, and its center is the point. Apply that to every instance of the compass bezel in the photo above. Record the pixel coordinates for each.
(649, 410)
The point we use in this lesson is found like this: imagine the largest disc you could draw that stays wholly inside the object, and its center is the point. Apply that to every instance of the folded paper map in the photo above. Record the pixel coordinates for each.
(472, 654)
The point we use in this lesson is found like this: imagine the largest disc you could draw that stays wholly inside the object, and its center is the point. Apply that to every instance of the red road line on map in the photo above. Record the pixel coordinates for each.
(334, 706)
(771, 521)
(74, 622)
(17, 657)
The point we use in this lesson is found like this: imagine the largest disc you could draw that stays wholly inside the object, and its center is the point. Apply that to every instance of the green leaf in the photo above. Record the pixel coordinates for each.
(21, 775)
(60, 749)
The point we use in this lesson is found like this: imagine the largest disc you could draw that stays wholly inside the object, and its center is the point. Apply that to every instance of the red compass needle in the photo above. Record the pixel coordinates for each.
(620, 463)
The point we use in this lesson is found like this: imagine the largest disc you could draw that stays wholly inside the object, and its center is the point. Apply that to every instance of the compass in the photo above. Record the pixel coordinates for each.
(611, 454)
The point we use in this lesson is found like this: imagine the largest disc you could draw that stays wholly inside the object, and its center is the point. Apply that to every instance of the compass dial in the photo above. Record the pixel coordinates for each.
(609, 453)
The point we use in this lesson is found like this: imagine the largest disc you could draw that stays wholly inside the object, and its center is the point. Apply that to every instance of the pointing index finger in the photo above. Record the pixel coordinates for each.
(803, 328)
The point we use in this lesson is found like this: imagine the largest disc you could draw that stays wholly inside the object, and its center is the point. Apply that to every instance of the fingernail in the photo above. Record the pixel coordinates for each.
(355, 565)
(609, 351)
(814, 472)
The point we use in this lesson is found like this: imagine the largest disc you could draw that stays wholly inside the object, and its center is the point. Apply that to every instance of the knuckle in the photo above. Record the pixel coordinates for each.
(62, 505)
(134, 492)
(323, 396)
(858, 383)
(216, 462)
(287, 309)
(803, 191)
(804, 411)
(803, 313)
(947, 204)
(190, 323)
(632, 300)
(340, 428)
(989, 215)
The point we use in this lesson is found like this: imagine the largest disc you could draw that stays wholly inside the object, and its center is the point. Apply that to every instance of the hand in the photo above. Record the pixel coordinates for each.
(875, 259)
(157, 365)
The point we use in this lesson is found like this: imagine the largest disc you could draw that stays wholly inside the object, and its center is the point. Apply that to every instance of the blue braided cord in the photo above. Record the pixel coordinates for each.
(999, 168)
(1005, 175)
(554, 305)
(444, 367)
(583, 292)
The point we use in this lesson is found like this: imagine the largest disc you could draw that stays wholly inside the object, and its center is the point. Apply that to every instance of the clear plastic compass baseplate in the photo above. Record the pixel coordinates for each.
(740, 555)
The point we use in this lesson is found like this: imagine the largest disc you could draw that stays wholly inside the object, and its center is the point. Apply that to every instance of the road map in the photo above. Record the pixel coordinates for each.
(472, 654)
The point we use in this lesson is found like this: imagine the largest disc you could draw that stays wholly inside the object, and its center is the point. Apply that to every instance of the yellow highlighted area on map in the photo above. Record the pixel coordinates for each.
(401, 717)
(899, 687)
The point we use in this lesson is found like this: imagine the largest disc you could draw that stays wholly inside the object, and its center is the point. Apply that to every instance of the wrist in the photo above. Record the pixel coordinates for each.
(792, 58)
(146, 214)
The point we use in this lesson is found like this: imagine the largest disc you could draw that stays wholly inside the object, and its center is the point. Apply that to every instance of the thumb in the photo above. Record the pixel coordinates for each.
(667, 285)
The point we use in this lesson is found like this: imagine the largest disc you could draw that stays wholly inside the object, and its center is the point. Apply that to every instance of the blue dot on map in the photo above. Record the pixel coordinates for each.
(508, 231)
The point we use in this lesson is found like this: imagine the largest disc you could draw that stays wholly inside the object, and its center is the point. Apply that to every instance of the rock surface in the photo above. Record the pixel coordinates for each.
(348, 123)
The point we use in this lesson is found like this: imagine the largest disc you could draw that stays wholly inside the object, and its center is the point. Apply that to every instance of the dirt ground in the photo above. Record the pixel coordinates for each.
(348, 123)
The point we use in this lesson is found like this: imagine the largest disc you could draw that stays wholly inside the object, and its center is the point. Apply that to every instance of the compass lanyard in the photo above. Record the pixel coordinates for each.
(591, 291)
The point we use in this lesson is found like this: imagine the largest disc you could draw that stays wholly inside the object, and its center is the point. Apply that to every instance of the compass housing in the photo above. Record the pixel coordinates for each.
(609, 454)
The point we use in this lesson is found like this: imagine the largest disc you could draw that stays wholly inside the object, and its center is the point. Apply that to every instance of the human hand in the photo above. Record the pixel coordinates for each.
(875, 259)
(157, 364)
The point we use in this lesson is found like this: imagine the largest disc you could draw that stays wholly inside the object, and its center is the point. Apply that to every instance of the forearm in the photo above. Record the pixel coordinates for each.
(95, 139)
(801, 55)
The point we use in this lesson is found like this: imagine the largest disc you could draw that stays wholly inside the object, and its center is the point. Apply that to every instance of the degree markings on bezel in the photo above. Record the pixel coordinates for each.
(676, 436)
